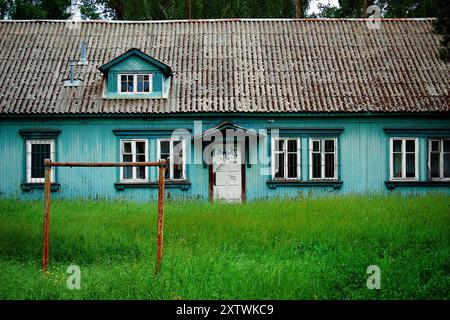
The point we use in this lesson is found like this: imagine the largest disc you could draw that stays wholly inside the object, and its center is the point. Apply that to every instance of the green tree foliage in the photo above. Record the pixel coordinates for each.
(442, 27)
(4, 10)
(179, 9)
(389, 8)
(34, 9)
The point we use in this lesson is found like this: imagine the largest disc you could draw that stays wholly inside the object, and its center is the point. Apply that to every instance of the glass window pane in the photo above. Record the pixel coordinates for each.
(447, 165)
(127, 173)
(123, 78)
(292, 165)
(397, 165)
(140, 86)
(329, 165)
(123, 87)
(410, 146)
(435, 146)
(317, 165)
(39, 152)
(140, 157)
(140, 172)
(177, 171)
(279, 165)
(446, 145)
(146, 77)
(397, 144)
(140, 147)
(177, 152)
(434, 164)
(130, 86)
(165, 147)
(329, 145)
(410, 165)
(279, 145)
(316, 146)
(127, 158)
(167, 174)
(292, 146)
(127, 147)
(146, 87)
(165, 155)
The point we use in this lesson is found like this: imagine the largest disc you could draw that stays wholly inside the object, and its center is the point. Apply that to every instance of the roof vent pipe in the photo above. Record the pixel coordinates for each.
(72, 82)
(72, 71)
(83, 54)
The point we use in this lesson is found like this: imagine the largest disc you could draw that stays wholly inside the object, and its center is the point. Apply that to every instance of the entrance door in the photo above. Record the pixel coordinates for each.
(227, 173)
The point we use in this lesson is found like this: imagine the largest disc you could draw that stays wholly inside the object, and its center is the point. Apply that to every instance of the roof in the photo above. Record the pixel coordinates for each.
(236, 66)
(162, 66)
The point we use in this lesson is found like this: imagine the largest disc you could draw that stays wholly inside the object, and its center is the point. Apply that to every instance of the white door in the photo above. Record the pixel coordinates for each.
(227, 184)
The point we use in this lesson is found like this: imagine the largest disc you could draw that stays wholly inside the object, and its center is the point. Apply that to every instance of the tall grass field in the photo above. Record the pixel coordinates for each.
(296, 249)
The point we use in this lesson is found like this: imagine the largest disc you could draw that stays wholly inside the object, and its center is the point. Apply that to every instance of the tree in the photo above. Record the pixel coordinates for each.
(389, 8)
(34, 9)
(442, 27)
(179, 9)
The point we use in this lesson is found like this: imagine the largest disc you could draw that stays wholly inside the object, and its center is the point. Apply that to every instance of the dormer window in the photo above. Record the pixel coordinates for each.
(136, 75)
(135, 83)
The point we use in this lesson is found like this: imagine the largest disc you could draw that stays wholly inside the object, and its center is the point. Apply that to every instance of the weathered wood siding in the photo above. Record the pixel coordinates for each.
(363, 155)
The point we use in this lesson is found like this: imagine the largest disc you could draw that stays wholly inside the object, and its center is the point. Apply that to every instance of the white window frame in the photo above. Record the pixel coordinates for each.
(322, 158)
(30, 142)
(133, 155)
(158, 155)
(441, 158)
(416, 158)
(150, 84)
(285, 151)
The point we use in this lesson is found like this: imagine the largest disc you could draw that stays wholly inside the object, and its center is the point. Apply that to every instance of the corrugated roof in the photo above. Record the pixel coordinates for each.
(230, 66)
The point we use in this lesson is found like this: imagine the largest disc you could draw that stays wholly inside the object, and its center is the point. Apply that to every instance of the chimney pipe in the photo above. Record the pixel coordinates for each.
(72, 82)
(72, 70)
(83, 54)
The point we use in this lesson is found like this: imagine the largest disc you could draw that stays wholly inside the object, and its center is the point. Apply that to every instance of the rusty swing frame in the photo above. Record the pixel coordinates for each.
(48, 164)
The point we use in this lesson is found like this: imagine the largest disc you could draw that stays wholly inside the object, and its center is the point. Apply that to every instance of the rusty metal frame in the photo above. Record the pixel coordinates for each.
(48, 164)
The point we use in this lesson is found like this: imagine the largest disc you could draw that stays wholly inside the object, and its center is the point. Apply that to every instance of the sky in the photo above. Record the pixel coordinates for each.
(313, 7)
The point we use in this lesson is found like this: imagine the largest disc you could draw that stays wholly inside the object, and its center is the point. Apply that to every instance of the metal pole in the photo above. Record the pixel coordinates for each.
(46, 215)
(159, 238)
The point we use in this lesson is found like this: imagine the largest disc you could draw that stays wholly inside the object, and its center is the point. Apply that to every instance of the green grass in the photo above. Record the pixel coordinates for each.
(305, 249)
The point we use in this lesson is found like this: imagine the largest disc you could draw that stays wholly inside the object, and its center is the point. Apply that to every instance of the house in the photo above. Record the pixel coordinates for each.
(244, 109)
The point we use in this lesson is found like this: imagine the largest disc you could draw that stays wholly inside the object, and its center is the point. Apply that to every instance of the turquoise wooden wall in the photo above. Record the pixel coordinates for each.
(364, 154)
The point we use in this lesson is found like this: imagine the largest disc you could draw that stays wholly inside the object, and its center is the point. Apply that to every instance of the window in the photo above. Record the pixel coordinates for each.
(439, 159)
(403, 158)
(323, 162)
(133, 151)
(173, 150)
(135, 83)
(37, 152)
(286, 158)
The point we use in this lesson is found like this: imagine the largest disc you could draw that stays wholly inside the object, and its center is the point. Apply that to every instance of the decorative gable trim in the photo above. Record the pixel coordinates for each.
(39, 133)
(419, 132)
(167, 70)
(145, 132)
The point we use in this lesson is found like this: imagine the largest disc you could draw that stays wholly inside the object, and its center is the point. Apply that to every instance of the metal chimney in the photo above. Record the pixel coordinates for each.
(83, 54)
(72, 82)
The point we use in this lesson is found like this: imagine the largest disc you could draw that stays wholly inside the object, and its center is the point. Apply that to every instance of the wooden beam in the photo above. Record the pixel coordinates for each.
(46, 232)
(48, 164)
(160, 231)
(106, 164)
